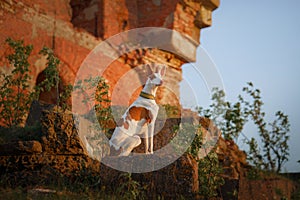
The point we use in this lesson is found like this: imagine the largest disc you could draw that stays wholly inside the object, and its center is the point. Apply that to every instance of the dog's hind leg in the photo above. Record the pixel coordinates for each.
(129, 144)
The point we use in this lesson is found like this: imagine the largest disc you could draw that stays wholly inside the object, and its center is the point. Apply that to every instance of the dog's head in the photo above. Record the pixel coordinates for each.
(157, 74)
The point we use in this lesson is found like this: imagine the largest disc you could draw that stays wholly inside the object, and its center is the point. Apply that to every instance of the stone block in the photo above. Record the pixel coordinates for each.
(176, 180)
(60, 133)
(20, 148)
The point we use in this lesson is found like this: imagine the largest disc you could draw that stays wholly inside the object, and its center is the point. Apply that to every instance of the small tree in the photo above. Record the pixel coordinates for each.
(274, 140)
(53, 79)
(95, 89)
(14, 92)
(209, 172)
(209, 167)
(231, 118)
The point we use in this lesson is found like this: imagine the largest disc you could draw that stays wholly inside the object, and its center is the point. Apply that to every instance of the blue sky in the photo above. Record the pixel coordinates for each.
(257, 41)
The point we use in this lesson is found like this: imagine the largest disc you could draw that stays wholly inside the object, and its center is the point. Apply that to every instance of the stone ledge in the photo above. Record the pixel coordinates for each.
(168, 40)
(177, 179)
(211, 4)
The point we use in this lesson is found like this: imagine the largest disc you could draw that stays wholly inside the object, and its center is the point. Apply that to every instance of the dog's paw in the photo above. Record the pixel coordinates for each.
(124, 153)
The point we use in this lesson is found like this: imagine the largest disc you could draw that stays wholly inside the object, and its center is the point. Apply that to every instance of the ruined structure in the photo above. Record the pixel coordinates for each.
(56, 153)
(73, 28)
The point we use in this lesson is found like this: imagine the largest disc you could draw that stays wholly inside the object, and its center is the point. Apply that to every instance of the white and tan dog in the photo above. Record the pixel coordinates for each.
(139, 118)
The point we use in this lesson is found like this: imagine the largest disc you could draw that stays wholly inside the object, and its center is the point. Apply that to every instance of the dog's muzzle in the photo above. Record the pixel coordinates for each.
(161, 82)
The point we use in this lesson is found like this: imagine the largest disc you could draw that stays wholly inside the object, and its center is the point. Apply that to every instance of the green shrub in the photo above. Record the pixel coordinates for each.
(14, 93)
(272, 152)
(129, 188)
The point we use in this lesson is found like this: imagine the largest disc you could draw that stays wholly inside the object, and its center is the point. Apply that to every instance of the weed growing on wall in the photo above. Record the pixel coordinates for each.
(209, 168)
(209, 172)
(129, 188)
(100, 96)
(15, 97)
(15, 94)
(53, 80)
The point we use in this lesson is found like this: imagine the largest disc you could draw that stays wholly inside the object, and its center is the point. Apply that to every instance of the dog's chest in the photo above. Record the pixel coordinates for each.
(149, 105)
(133, 125)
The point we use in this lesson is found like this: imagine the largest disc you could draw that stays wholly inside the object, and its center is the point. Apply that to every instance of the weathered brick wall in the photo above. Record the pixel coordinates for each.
(73, 28)
(156, 13)
(42, 24)
(106, 18)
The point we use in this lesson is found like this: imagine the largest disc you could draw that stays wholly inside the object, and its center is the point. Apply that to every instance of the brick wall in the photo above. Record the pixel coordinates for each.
(73, 28)
(105, 18)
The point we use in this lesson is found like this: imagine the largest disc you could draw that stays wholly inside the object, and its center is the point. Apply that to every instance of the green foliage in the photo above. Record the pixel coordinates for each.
(53, 80)
(228, 117)
(232, 117)
(51, 72)
(210, 179)
(14, 98)
(64, 96)
(15, 94)
(171, 111)
(80, 185)
(95, 89)
(185, 134)
(102, 103)
(209, 168)
(254, 173)
(129, 188)
(197, 143)
(274, 140)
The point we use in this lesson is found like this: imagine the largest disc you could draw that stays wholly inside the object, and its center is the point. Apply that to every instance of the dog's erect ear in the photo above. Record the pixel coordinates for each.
(150, 69)
(157, 68)
(163, 70)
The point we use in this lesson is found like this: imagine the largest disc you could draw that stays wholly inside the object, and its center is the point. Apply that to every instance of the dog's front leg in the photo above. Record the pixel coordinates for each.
(150, 137)
(146, 141)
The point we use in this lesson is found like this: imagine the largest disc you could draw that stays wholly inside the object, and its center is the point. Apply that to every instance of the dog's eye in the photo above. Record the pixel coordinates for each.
(152, 76)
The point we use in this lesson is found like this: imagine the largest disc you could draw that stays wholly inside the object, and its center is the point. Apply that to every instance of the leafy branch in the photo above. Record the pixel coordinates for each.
(272, 152)
(15, 94)
(14, 98)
